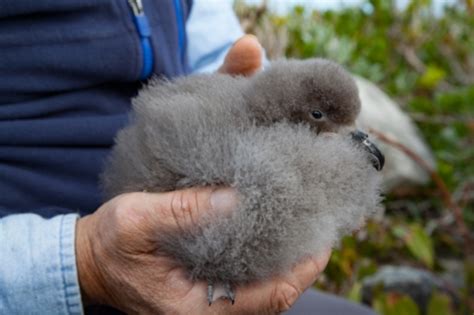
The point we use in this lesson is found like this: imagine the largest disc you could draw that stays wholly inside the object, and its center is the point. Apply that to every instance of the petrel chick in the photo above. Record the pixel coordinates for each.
(283, 139)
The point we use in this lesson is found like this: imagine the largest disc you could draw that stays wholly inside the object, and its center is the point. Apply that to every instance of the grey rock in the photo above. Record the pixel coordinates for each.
(419, 284)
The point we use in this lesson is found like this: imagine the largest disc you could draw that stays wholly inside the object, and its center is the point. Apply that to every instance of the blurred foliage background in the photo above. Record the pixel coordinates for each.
(426, 63)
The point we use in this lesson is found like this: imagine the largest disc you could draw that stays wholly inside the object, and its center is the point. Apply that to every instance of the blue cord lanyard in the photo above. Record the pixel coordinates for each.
(143, 28)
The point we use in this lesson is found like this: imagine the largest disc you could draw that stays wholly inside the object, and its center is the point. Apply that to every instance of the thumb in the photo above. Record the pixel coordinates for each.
(184, 208)
(244, 58)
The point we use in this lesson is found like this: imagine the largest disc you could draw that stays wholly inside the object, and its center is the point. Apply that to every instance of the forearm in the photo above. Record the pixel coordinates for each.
(207, 53)
(38, 265)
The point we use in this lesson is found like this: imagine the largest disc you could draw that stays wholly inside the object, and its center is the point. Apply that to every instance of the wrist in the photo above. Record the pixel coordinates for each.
(90, 281)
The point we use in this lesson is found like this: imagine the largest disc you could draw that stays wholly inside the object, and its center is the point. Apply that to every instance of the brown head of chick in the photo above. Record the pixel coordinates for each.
(317, 92)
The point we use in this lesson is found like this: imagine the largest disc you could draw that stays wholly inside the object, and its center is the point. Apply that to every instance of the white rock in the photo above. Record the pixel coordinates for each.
(381, 113)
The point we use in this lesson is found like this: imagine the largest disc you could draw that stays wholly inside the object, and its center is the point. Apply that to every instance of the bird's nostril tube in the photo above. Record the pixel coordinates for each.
(359, 136)
(377, 158)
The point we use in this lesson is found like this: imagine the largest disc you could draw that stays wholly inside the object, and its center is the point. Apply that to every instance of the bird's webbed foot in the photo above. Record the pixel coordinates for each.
(216, 291)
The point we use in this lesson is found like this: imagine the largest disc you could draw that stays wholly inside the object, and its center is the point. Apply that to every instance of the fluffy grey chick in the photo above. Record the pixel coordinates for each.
(298, 191)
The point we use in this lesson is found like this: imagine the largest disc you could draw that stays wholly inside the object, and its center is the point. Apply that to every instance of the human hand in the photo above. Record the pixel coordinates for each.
(119, 262)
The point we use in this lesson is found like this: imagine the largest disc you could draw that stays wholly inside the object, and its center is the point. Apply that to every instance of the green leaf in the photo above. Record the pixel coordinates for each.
(400, 231)
(404, 306)
(420, 245)
(417, 241)
(395, 304)
(355, 293)
(432, 76)
(439, 304)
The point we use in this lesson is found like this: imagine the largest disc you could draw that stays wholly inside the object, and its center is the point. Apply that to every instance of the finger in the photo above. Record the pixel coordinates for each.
(279, 294)
(184, 208)
(308, 271)
(244, 58)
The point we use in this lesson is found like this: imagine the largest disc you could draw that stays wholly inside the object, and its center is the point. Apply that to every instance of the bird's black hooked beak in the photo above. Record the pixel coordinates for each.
(377, 158)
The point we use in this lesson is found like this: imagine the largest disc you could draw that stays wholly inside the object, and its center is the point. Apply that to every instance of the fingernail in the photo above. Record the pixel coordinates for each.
(254, 38)
(223, 199)
(248, 37)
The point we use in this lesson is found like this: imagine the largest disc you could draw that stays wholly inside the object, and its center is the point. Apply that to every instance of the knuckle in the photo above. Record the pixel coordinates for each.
(131, 209)
(316, 268)
(284, 296)
(184, 206)
(128, 201)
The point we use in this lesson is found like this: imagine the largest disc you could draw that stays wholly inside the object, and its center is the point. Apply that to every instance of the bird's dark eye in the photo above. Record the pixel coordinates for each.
(317, 114)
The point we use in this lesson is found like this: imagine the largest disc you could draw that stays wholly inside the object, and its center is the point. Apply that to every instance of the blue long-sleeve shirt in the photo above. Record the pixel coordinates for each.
(58, 124)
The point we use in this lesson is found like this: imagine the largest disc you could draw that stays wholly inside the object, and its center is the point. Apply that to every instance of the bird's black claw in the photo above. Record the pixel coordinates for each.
(229, 293)
(210, 293)
(377, 158)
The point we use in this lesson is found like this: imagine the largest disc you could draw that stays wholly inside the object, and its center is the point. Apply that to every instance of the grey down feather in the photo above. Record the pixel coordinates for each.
(299, 188)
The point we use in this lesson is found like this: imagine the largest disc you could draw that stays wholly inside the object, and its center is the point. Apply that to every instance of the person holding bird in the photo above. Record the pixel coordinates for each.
(68, 70)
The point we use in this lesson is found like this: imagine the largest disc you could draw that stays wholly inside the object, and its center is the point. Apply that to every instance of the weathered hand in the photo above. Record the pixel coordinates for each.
(119, 261)
(118, 257)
